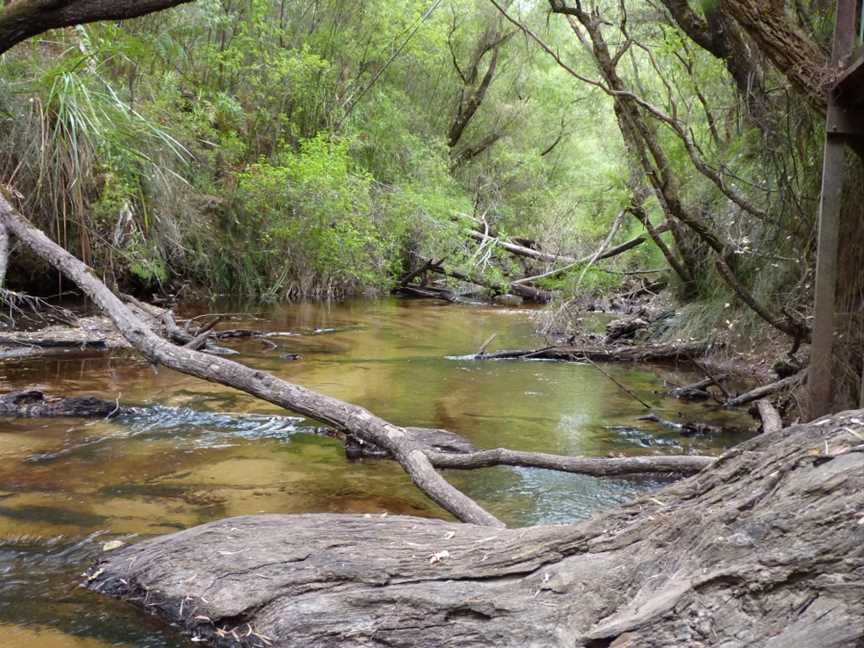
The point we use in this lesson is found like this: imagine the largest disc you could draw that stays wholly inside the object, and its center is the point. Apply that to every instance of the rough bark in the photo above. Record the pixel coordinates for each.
(23, 19)
(718, 34)
(791, 51)
(764, 548)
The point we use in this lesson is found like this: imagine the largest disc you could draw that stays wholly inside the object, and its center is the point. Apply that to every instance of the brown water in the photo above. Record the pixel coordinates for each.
(69, 486)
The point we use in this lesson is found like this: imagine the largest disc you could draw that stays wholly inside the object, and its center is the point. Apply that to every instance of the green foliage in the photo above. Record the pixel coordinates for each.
(289, 149)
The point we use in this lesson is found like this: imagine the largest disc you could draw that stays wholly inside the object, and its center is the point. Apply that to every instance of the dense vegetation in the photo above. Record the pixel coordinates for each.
(321, 148)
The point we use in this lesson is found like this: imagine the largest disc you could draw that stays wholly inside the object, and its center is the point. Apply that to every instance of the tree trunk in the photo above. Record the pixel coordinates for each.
(791, 51)
(25, 18)
(764, 548)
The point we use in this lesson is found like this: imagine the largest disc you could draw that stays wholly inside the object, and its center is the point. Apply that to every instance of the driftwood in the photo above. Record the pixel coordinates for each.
(771, 420)
(767, 390)
(694, 391)
(763, 548)
(331, 411)
(530, 253)
(644, 353)
(428, 292)
(525, 291)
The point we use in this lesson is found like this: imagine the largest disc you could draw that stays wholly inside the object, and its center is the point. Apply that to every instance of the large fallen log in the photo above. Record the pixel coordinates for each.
(764, 548)
(623, 353)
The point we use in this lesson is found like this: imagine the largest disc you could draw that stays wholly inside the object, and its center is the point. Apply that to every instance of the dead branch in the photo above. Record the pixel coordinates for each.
(357, 420)
(596, 466)
(767, 390)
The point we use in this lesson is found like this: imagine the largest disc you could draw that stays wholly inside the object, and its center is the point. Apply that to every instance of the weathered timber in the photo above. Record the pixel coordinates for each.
(693, 391)
(686, 429)
(643, 353)
(523, 290)
(771, 420)
(762, 548)
(767, 390)
(596, 466)
(25, 18)
(520, 250)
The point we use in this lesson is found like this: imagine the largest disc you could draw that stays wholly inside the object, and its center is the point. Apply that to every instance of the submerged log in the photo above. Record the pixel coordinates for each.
(643, 353)
(763, 548)
(34, 404)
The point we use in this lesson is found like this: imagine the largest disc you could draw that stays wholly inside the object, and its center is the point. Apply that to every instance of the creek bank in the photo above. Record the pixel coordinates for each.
(764, 547)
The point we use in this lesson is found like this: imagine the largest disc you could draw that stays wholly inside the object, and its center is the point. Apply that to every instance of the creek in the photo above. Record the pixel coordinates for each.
(194, 452)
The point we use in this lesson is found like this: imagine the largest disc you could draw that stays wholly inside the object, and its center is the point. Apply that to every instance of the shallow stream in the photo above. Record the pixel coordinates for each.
(198, 452)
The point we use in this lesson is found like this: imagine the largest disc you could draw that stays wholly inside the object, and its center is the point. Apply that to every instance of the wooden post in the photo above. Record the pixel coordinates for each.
(820, 378)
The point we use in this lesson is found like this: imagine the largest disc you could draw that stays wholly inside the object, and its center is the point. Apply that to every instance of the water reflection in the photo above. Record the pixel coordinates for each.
(195, 451)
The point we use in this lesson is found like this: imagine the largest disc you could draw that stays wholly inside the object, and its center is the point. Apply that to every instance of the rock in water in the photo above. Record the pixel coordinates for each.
(763, 548)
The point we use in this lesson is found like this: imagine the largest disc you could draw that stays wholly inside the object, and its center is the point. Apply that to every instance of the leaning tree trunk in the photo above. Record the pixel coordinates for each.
(25, 18)
(408, 446)
(764, 548)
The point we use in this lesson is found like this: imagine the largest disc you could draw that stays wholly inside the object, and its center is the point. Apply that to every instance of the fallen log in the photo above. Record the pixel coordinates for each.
(596, 466)
(766, 390)
(427, 292)
(520, 250)
(771, 420)
(762, 548)
(531, 293)
(624, 328)
(331, 411)
(644, 353)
